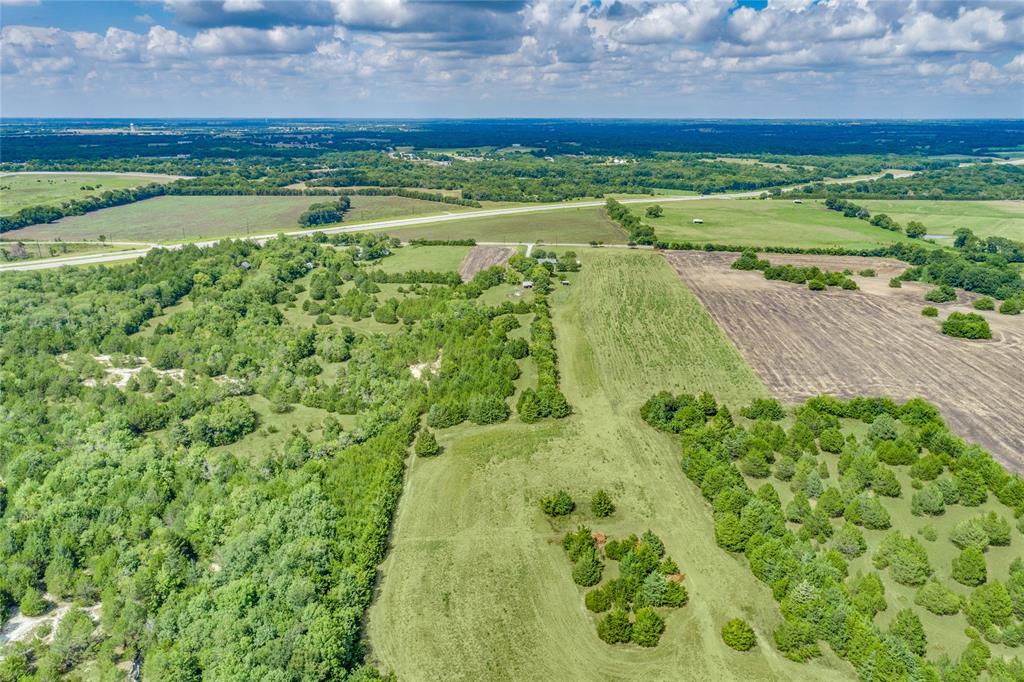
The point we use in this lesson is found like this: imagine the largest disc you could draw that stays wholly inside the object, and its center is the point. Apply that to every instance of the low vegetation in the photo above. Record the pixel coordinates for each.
(966, 326)
(815, 278)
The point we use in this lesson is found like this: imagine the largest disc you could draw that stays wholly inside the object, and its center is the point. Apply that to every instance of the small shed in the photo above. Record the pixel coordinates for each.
(245, 264)
(309, 265)
(698, 221)
(528, 284)
(565, 282)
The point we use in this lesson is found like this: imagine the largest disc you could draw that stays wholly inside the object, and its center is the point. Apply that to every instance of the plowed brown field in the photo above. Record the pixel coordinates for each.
(869, 342)
(482, 257)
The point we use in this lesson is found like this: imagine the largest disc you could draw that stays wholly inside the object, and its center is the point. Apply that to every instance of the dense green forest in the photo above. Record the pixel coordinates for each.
(981, 181)
(209, 553)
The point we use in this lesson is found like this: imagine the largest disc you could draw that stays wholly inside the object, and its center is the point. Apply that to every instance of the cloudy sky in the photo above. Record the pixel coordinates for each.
(402, 58)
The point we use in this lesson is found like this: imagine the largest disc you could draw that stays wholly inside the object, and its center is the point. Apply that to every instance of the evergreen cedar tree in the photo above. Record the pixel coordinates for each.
(558, 504)
(426, 444)
(601, 504)
(806, 563)
(738, 635)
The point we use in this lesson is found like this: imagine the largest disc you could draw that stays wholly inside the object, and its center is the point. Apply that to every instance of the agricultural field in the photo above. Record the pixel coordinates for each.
(754, 222)
(20, 190)
(483, 257)
(568, 226)
(984, 218)
(476, 586)
(869, 342)
(194, 218)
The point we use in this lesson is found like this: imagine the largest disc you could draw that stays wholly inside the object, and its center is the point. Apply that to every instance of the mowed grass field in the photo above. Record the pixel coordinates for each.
(755, 222)
(433, 258)
(177, 218)
(476, 586)
(563, 226)
(18, 190)
(985, 218)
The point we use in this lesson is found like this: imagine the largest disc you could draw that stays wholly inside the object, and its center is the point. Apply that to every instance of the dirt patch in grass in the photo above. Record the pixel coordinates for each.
(483, 257)
(868, 342)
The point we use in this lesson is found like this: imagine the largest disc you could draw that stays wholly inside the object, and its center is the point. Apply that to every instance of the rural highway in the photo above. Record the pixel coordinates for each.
(92, 259)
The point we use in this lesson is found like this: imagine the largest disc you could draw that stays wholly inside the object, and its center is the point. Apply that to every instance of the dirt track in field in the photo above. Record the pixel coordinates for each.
(869, 342)
(482, 257)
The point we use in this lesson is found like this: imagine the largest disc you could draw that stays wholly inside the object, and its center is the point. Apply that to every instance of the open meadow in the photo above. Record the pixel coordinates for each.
(476, 586)
(870, 342)
(195, 218)
(984, 218)
(20, 190)
(564, 226)
(755, 222)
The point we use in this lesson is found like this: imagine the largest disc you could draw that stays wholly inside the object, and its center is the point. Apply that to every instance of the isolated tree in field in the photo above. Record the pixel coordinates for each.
(738, 635)
(558, 504)
(969, 567)
(648, 627)
(655, 211)
(426, 444)
(601, 504)
(966, 326)
(615, 627)
(915, 230)
(907, 627)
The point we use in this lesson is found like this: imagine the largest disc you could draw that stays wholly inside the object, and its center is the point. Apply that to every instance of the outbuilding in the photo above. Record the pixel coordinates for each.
(528, 284)
(698, 221)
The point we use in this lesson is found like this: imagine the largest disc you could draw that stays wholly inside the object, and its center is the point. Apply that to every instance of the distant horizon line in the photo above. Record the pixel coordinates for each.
(6, 119)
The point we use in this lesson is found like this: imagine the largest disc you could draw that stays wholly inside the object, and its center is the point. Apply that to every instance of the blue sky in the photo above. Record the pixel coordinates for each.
(396, 58)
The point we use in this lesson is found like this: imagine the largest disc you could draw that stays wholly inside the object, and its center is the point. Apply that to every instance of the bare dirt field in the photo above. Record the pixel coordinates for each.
(869, 342)
(482, 257)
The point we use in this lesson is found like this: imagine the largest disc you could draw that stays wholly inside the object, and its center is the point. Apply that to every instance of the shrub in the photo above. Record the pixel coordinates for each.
(941, 294)
(832, 441)
(907, 627)
(969, 568)
(984, 303)
(929, 500)
(967, 533)
(443, 415)
(989, 605)
(867, 594)
(323, 319)
(488, 410)
(882, 428)
(816, 285)
(1010, 307)
(601, 504)
(884, 482)
(648, 627)
(997, 528)
(849, 541)
(615, 627)
(831, 502)
(426, 444)
(764, 408)
(937, 598)
(587, 571)
(576, 543)
(598, 600)
(32, 603)
(930, 311)
(895, 283)
(738, 635)
(559, 504)
(905, 557)
(868, 272)
(966, 326)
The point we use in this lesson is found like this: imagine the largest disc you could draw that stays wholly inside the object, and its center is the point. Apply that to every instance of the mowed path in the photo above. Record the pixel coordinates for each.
(869, 342)
(483, 257)
(476, 586)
